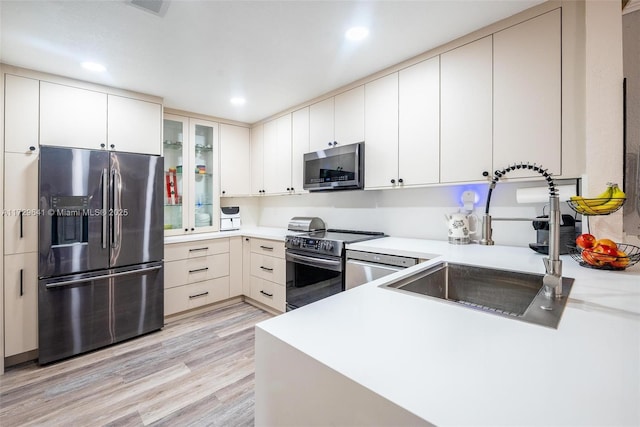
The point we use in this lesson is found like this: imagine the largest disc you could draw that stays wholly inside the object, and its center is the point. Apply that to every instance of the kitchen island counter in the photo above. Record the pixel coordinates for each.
(376, 353)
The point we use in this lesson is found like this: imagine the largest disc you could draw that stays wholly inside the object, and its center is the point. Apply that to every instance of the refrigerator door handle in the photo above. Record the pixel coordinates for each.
(102, 277)
(105, 208)
(116, 225)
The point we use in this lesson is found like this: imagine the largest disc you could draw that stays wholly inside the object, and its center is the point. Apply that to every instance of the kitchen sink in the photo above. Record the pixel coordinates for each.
(511, 294)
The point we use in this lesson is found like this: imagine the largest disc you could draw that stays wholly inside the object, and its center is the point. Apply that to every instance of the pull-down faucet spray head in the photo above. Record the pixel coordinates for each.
(553, 265)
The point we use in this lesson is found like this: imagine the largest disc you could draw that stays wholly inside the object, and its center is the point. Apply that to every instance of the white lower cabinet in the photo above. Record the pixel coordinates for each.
(20, 303)
(186, 297)
(203, 272)
(196, 274)
(267, 272)
(268, 293)
(235, 266)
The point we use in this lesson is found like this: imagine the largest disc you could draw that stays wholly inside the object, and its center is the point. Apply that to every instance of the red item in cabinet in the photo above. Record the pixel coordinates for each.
(172, 187)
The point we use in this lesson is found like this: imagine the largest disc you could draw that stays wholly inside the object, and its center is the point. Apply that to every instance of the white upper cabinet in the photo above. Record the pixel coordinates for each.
(277, 155)
(349, 116)
(235, 175)
(82, 118)
(466, 112)
(527, 94)
(419, 123)
(381, 133)
(299, 146)
(321, 132)
(133, 125)
(22, 97)
(339, 119)
(72, 117)
(257, 160)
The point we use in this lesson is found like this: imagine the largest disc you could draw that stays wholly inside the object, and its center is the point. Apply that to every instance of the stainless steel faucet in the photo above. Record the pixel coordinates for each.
(552, 280)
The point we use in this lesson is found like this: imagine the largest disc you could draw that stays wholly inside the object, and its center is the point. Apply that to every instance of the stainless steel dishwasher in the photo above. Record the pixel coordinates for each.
(363, 267)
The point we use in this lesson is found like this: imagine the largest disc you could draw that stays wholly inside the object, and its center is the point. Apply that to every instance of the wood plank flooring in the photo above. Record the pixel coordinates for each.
(197, 371)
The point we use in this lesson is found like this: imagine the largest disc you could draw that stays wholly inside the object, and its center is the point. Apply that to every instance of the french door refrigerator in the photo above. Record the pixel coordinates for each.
(100, 272)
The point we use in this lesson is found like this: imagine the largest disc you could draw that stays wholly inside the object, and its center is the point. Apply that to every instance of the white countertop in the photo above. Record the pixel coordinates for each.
(455, 366)
(271, 233)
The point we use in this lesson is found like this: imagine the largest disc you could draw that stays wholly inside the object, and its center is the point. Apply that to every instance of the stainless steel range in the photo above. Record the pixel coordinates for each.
(315, 260)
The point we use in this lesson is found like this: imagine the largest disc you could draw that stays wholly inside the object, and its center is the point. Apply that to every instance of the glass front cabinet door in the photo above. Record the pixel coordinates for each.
(191, 175)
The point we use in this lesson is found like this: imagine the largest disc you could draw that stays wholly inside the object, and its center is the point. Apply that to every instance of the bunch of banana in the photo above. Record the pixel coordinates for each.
(608, 201)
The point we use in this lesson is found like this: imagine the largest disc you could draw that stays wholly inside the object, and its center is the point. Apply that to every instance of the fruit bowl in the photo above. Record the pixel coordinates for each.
(596, 206)
(590, 258)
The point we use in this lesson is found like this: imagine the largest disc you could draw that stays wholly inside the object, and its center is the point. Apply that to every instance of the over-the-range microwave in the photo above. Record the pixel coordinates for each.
(336, 168)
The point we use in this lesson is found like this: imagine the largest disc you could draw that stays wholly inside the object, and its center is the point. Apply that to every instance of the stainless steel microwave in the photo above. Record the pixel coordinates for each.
(335, 168)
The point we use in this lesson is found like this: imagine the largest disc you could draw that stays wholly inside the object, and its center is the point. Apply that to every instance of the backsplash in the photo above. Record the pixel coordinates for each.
(409, 212)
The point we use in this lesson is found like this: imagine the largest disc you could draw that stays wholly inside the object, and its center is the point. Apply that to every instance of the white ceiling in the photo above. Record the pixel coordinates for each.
(201, 53)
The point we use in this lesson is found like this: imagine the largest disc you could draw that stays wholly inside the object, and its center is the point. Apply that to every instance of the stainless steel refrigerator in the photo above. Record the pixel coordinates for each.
(100, 249)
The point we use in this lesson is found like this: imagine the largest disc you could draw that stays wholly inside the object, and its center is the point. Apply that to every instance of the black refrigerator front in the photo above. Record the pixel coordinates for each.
(100, 249)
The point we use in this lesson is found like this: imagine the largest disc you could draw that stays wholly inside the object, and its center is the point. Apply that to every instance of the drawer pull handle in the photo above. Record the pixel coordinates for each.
(198, 270)
(21, 220)
(199, 295)
(266, 268)
(198, 249)
(21, 282)
(267, 294)
(266, 248)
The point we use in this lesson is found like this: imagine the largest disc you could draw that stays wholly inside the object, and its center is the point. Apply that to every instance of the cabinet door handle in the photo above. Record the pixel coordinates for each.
(21, 282)
(32, 148)
(400, 181)
(266, 268)
(266, 248)
(267, 294)
(393, 181)
(198, 249)
(21, 229)
(199, 295)
(198, 270)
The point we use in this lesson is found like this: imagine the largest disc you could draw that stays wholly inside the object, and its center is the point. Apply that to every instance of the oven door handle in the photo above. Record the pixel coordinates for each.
(330, 264)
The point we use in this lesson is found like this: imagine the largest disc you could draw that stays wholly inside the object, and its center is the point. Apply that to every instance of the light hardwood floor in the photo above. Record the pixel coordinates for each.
(197, 371)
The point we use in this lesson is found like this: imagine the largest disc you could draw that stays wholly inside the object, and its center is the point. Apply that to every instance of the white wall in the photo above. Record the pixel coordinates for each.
(409, 212)
(631, 52)
(603, 106)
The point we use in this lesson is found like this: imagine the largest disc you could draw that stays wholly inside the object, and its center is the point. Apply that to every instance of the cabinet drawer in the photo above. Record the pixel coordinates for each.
(201, 248)
(268, 247)
(186, 297)
(193, 270)
(268, 293)
(268, 267)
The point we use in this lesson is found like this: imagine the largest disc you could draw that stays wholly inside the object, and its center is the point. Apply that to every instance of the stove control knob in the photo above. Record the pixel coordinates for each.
(327, 246)
(294, 241)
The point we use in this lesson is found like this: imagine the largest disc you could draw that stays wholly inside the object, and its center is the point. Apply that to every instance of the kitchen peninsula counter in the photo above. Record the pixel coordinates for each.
(376, 356)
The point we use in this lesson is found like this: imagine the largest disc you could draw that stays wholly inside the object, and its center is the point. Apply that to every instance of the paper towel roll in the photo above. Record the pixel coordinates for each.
(541, 194)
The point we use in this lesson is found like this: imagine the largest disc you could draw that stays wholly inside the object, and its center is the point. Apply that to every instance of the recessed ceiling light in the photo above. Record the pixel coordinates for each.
(357, 33)
(93, 66)
(238, 100)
